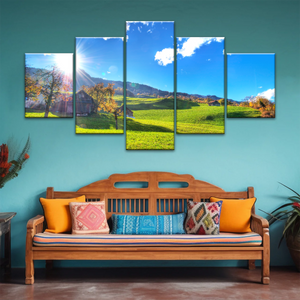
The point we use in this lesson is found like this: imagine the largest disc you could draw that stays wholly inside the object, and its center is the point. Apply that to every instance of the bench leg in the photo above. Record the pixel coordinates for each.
(251, 264)
(265, 271)
(29, 272)
(265, 263)
(49, 265)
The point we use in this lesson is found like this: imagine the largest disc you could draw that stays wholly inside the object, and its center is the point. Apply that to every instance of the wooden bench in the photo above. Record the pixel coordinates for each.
(152, 199)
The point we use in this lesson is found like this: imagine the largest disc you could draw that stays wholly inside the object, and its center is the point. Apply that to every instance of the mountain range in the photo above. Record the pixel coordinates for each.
(83, 78)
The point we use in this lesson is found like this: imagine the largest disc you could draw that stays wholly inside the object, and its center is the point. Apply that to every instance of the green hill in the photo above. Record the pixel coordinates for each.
(242, 112)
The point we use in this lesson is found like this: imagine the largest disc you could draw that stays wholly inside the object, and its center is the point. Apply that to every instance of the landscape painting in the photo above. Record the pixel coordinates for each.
(49, 85)
(200, 85)
(99, 96)
(251, 85)
(150, 85)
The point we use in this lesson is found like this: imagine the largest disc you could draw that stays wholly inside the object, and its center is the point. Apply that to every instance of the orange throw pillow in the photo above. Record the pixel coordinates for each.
(235, 214)
(57, 213)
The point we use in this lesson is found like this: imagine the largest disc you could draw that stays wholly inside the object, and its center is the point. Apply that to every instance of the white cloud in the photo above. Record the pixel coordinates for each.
(191, 44)
(136, 22)
(150, 31)
(260, 87)
(108, 72)
(127, 37)
(110, 38)
(179, 39)
(209, 59)
(269, 94)
(139, 29)
(165, 56)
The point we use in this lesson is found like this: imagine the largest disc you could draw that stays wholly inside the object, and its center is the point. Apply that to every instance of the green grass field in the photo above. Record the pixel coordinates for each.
(99, 123)
(242, 112)
(153, 124)
(40, 115)
(199, 118)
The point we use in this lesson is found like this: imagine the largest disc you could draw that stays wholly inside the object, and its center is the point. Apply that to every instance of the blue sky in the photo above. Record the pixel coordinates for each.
(250, 75)
(150, 54)
(100, 57)
(64, 61)
(200, 65)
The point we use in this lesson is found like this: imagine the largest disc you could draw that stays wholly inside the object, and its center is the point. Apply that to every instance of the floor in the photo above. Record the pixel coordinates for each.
(151, 283)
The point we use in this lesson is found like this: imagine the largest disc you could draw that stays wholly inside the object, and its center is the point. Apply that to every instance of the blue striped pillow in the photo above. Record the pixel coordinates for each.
(164, 224)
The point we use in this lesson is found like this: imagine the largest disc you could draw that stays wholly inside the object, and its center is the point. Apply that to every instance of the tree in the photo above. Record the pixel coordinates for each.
(103, 99)
(222, 102)
(32, 88)
(262, 102)
(208, 100)
(51, 83)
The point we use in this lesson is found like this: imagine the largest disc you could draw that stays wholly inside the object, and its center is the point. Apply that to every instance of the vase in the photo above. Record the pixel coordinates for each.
(293, 243)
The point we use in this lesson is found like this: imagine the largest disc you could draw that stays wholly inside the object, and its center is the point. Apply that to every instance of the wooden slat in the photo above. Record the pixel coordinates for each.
(146, 255)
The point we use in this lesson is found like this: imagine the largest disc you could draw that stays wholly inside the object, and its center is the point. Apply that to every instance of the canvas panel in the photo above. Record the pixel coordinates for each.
(49, 85)
(200, 85)
(99, 85)
(251, 85)
(150, 85)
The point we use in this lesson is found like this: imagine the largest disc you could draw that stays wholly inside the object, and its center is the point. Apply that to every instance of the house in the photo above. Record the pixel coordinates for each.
(63, 106)
(214, 103)
(84, 103)
(129, 113)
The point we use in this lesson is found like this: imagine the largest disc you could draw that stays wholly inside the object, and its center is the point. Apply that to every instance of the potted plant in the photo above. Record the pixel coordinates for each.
(290, 212)
(10, 163)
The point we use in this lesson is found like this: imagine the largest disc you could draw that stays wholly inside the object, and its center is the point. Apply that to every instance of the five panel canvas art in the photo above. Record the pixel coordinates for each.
(149, 108)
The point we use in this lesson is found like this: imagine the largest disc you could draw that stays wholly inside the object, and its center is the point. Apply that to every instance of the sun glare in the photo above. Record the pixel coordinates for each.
(79, 61)
(64, 63)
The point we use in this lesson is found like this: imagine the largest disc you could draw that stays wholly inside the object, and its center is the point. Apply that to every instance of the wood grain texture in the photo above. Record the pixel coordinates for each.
(182, 254)
(152, 200)
(265, 270)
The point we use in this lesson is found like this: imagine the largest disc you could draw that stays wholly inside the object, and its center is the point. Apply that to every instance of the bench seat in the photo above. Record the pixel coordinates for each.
(72, 240)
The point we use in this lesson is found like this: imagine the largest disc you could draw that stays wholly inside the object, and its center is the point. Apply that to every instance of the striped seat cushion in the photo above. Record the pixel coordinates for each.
(108, 240)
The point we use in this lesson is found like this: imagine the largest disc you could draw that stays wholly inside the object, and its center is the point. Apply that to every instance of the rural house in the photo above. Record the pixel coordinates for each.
(129, 113)
(63, 106)
(214, 103)
(84, 103)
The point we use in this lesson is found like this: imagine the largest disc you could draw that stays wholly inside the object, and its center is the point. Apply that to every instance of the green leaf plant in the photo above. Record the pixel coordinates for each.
(290, 213)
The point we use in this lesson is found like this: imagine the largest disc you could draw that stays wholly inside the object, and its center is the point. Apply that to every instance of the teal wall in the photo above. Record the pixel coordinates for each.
(258, 153)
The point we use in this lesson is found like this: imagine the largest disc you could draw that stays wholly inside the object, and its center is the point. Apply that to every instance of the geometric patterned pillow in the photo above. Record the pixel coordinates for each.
(203, 218)
(88, 217)
(147, 224)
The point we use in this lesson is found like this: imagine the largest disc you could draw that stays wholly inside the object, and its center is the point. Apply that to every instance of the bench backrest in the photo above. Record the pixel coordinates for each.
(154, 193)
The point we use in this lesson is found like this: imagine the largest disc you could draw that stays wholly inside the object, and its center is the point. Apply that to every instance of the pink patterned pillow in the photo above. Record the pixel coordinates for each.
(88, 217)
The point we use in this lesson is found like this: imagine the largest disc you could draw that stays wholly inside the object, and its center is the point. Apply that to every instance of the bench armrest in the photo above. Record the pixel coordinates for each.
(35, 225)
(258, 224)
(33, 222)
